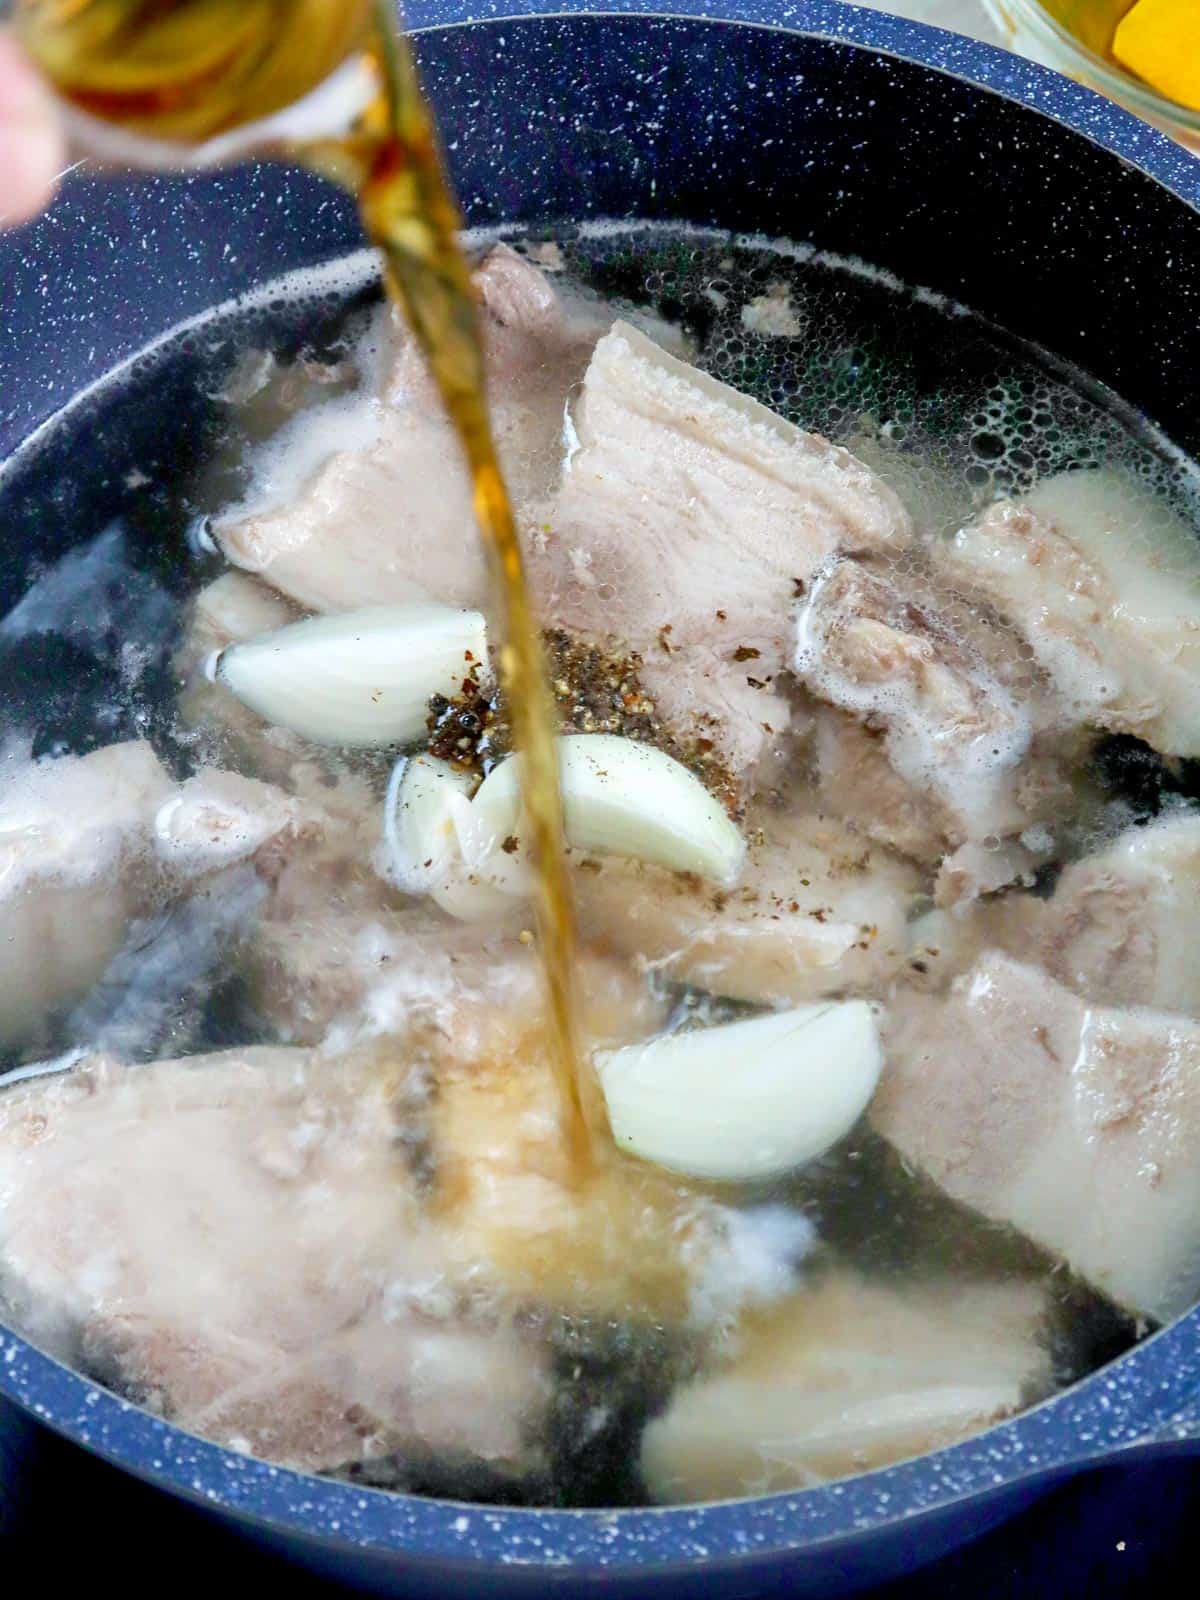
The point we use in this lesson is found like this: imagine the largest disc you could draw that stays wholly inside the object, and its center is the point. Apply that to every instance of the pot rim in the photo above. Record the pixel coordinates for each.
(988, 66)
(1140, 1399)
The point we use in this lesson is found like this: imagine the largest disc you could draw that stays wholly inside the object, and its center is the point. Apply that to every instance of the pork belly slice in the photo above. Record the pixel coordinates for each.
(310, 843)
(235, 1240)
(817, 910)
(76, 862)
(1121, 927)
(1103, 580)
(1117, 929)
(962, 713)
(849, 1376)
(216, 819)
(297, 856)
(630, 1243)
(856, 782)
(687, 518)
(375, 971)
(90, 846)
(391, 520)
(945, 942)
(226, 847)
(231, 608)
(976, 870)
(1079, 1125)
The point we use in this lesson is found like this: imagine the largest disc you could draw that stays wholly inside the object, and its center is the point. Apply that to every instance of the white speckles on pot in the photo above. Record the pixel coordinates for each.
(1137, 1401)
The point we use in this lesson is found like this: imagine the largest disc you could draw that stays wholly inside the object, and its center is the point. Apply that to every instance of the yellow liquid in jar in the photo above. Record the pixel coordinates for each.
(1093, 22)
(1153, 42)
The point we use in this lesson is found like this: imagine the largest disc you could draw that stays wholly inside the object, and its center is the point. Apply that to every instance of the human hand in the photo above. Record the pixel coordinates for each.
(32, 146)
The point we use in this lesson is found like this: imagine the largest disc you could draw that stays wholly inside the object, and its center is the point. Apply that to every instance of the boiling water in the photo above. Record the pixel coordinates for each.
(949, 412)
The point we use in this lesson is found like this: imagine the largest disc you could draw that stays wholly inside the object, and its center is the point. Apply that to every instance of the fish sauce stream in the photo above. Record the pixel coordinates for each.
(195, 70)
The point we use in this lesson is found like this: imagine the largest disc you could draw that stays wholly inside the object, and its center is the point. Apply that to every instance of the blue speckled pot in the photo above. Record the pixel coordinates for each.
(957, 167)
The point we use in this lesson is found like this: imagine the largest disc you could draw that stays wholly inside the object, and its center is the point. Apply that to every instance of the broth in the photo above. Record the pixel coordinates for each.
(393, 1170)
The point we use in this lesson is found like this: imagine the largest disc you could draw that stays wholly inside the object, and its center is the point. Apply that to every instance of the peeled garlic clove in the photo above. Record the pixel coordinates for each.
(619, 796)
(475, 896)
(426, 815)
(745, 1100)
(357, 677)
(622, 798)
(479, 890)
(418, 820)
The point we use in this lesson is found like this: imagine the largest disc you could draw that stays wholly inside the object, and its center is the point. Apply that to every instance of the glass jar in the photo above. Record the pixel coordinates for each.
(1028, 28)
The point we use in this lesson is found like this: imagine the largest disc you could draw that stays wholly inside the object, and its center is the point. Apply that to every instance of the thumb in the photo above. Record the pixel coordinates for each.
(32, 147)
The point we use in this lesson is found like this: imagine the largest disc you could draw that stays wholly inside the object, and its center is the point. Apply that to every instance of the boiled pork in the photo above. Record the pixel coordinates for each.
(378, 970)
(1079, 1125)
(688, 518)
(817, 911)
(1104, 583)
(959, 706)
(848, 1376)
(1121, 926)
(857, 783)
(391, 520)
(235, 1241)
(228, 611)
(76, 863)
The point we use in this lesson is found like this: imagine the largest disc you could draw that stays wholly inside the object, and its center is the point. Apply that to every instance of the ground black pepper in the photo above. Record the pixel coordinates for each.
(596, 689)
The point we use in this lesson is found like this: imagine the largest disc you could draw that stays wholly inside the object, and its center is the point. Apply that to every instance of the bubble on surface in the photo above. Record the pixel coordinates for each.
(953, 414)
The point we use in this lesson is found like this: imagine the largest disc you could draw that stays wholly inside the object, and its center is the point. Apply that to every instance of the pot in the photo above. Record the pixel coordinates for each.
(1045, 209)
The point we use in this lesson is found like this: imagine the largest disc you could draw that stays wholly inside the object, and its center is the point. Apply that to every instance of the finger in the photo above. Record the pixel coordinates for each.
(32, 148)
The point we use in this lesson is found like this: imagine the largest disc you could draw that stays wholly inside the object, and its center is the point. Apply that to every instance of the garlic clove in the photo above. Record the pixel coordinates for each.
(620, 798)
(418, 820)
(361, 678)
(427, 813)
(472, 895)
(745, 1100)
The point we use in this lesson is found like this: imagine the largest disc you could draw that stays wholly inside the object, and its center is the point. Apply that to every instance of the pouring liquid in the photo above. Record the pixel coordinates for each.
(193, 70)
